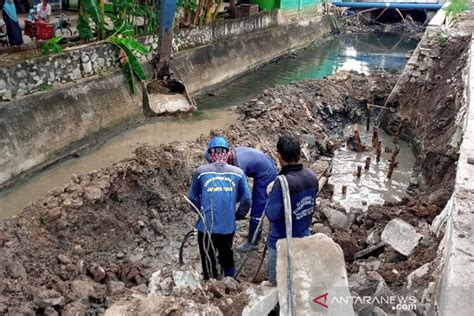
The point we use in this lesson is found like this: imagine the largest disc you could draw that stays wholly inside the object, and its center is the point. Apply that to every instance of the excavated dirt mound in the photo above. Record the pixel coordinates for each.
(84, 245)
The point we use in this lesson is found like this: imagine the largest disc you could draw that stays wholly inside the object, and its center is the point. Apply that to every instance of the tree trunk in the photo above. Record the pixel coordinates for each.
(197, 15)
(216, 11)
(208, 16)
(231, 8)
(102, 16)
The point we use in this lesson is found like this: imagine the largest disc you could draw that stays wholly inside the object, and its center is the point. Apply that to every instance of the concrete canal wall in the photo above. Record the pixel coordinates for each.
(91, 95)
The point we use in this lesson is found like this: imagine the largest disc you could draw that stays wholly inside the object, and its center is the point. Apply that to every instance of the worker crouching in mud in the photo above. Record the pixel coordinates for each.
(215, 190)
(303, 187)
(262, 169)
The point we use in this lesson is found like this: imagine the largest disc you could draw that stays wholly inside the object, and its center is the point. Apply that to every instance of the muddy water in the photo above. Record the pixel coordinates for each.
(359, 52)
(373, 187)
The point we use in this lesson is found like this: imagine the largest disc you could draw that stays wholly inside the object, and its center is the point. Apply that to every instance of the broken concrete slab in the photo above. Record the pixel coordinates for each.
(262, 301)
(417, 274)
(401, 236)
(363, 284)
(319, 277)
(337, 218)
(373, 238)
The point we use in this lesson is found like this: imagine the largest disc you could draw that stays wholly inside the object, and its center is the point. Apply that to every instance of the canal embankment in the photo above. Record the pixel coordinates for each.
(87, 96)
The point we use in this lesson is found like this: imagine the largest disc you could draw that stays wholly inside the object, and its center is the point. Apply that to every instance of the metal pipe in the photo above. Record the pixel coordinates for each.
(389, 5)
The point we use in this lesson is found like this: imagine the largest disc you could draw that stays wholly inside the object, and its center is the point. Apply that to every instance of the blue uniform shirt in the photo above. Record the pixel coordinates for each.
(255, 163)
(215, 190)
(303, 185)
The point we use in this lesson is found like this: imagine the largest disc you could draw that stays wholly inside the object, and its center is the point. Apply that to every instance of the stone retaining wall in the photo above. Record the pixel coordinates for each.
(51, 71)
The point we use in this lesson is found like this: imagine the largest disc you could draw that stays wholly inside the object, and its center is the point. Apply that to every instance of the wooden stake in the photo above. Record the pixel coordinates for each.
(375, 137)
(367, 163)
(393, 161)
(344, 189)
(378, 150)
(397, 134)
(358, 172)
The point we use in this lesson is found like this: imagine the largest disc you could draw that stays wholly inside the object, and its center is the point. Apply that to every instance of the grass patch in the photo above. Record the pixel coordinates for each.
(457, 6)
(45, 87)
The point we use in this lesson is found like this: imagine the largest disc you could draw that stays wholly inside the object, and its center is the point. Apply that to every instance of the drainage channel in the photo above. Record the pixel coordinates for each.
(361, 52)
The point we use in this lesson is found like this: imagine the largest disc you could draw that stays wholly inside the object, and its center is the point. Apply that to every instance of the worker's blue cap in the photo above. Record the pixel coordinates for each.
(218, 141)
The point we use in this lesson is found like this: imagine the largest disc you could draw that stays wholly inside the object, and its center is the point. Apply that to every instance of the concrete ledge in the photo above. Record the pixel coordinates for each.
(439, 17)
(204, 67)
(456, 292)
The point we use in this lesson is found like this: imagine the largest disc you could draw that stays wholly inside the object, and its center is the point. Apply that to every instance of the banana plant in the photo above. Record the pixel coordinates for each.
(130, 49)
(52, 45)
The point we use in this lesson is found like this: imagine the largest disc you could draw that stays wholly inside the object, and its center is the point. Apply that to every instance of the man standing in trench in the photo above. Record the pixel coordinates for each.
(303, 186)
(215, 190)
(262, 169)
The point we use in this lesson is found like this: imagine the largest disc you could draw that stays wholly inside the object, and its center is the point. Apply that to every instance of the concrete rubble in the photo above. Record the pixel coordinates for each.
(319, 274)
(401, 236)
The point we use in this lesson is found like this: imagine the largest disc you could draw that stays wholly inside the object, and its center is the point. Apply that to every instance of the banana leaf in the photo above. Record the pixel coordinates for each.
(84, 28)
(93, 10)
(133, 45)
(131, 78)
(133, 60)
(135, 64)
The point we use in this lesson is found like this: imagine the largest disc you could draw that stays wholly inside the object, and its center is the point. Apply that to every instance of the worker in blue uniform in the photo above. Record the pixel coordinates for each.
(303, 186)
(215, 190)
(262, 169)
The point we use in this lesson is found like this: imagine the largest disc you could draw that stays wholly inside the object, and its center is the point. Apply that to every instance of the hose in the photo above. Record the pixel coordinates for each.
(254, 239)
(260, 264)
(181, 248)
(289, 244)
(206, 232)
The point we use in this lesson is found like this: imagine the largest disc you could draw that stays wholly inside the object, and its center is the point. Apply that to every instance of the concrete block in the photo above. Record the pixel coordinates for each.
(261, 302)
(320, 284)
(337, 218)
(418, 273)
(401, 236)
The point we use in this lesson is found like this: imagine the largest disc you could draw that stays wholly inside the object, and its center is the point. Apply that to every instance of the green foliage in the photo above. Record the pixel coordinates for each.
(442, 39)
(132, 49)
(188, 5)
(126, 19)
(91, 8)
(130, 11)
(457, 6)
(84, 28)
(52, 45)
(45, 87)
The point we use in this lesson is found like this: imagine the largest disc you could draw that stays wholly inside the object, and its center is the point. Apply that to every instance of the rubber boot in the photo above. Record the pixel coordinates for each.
(230, 272)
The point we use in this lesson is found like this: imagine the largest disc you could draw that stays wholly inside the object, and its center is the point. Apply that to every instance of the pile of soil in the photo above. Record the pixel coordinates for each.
(86, 244)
